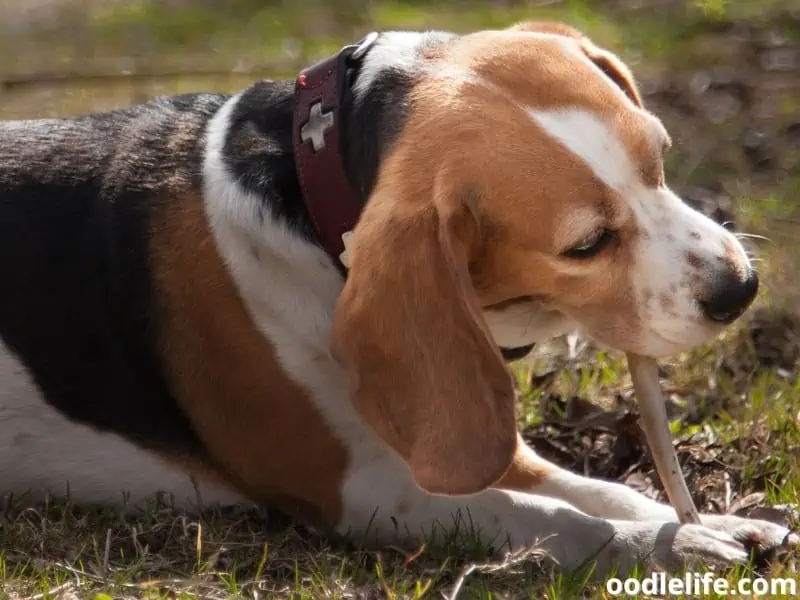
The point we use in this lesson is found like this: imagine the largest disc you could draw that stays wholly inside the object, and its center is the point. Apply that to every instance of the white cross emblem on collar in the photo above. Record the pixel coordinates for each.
(318, 123)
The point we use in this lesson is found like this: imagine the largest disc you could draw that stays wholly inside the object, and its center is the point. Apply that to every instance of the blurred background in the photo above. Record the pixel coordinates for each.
(723, 75)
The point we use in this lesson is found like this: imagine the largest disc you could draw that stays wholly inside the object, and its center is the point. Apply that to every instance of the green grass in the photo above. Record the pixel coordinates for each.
(745, 415)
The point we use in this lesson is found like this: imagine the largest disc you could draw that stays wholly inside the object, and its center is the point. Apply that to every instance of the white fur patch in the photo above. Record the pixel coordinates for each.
(289, 287)
(525, 323)
(588, 137)
(395, 49)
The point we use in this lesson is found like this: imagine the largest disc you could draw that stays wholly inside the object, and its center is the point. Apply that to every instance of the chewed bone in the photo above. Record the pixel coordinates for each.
(644, 372)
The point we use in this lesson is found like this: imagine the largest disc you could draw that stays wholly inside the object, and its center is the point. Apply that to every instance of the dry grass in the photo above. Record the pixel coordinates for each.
(60, 551)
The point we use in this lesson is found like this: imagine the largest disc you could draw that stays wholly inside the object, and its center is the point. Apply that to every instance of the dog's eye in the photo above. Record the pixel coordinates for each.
(591, 245)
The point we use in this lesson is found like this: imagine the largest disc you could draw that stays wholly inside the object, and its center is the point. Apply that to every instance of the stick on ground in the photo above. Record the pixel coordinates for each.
(644, 372)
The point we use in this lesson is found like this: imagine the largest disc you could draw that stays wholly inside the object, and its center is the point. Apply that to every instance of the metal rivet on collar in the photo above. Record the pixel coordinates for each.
(344, 257)
(362, 48)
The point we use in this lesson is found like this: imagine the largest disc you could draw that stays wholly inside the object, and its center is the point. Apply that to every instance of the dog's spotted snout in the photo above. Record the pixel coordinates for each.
(730, 297)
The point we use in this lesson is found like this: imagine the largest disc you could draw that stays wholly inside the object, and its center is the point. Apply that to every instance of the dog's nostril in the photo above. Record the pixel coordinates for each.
(730, 299)
(715, 312)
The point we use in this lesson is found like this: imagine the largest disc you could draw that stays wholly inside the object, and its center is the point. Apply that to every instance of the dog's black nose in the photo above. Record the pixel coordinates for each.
(730, 297)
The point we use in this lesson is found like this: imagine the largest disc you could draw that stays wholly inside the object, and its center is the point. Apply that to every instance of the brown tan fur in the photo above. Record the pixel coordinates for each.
(526, 471)
(225, 375)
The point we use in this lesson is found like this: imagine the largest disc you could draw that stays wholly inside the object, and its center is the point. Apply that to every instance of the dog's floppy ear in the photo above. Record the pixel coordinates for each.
(423, 370)
(608, 63)
(615, 70)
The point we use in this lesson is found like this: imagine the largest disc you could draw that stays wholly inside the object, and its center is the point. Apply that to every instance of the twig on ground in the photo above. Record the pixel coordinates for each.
(53, 592)
(511, 560)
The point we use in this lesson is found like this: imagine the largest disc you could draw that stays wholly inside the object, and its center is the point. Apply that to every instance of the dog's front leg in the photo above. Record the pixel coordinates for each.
(383, 505)
(609, 500)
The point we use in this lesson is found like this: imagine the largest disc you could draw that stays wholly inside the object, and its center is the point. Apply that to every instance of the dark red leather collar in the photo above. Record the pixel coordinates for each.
(329, 196)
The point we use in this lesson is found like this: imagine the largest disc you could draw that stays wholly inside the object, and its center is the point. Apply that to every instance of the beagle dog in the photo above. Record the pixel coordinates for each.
(176, 319)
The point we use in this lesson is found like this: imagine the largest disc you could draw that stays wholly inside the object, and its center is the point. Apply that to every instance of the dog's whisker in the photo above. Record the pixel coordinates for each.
(753, 236)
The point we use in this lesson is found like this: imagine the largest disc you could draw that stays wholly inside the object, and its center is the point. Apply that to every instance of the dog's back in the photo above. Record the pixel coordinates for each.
(132, 149)
(78, 200)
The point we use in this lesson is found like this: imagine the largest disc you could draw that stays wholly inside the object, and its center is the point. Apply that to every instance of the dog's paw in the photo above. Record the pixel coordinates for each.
(674, 547)
(720, 542)
(760, 538)
(680, 547)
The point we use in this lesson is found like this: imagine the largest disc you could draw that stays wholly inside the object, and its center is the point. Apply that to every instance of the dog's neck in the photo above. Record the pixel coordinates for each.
(258, 146)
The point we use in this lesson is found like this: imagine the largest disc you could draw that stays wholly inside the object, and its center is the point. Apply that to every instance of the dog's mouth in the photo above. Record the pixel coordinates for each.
(512, 354)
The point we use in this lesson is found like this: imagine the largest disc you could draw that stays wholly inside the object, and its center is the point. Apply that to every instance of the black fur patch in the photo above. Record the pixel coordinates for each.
(258, 152)
(76, 303)
(375, 122)
(371, 124)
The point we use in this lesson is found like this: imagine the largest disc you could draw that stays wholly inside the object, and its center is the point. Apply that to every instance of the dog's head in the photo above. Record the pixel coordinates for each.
(523, 196)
